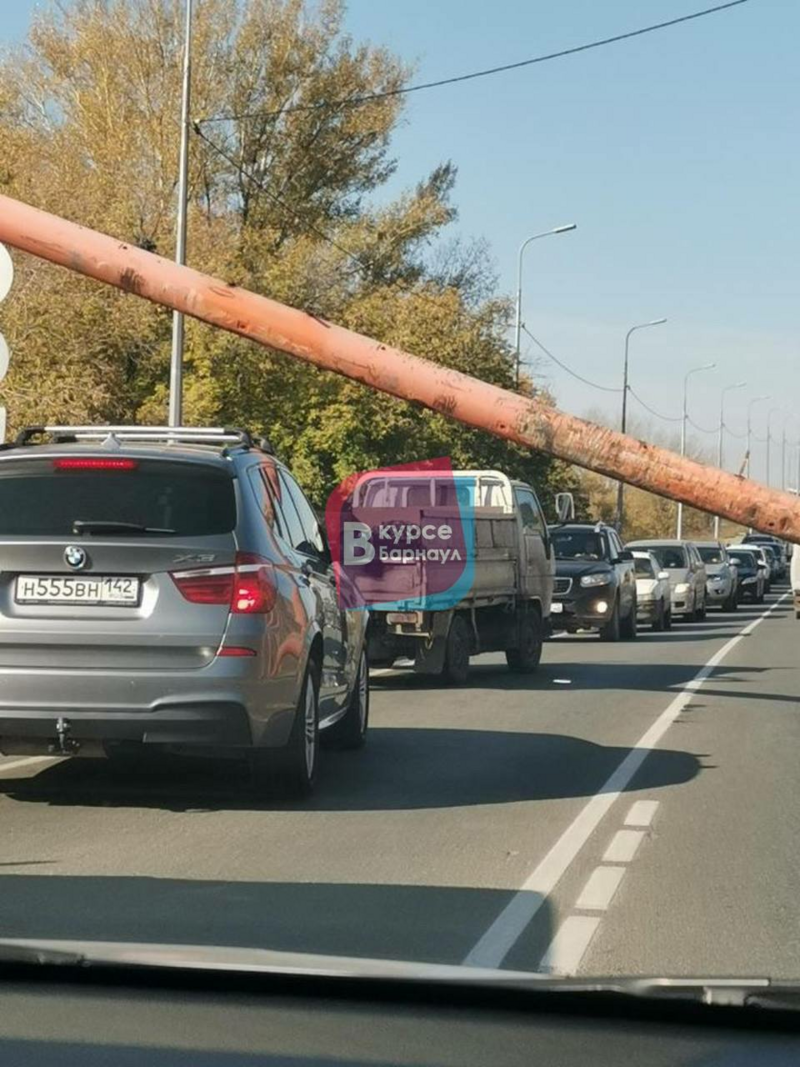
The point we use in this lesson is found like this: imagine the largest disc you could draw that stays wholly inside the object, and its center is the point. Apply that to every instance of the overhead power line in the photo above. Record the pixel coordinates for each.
(555, 359)
(701, 429)
(657, 414)
(279, 200)
(368, 98)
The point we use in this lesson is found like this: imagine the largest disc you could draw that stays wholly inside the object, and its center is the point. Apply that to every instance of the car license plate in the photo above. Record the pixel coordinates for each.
(103, 591)
(556, 608)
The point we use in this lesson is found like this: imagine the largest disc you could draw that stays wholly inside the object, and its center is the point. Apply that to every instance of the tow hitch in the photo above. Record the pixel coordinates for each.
(66, 745)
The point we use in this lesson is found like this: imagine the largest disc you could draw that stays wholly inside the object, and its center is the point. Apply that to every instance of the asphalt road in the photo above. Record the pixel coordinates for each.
(628, 810)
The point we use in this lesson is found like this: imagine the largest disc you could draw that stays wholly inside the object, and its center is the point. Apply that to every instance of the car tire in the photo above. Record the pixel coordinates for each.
(628, 626)
(611, 630)
(525, 658)
(350, 732)
(457, 651)
(667, 616)
(732, 602)
(291, 771)
(660, 621)
(692, 616)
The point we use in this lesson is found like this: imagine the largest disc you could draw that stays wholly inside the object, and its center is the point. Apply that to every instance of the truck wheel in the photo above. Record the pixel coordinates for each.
(627, 627)
(525, 658)
(291, 771)
(350, 731)
(610, 631)
(457, 650)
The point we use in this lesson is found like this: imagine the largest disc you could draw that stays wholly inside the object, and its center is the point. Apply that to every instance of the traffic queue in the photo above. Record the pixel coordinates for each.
(604, 586)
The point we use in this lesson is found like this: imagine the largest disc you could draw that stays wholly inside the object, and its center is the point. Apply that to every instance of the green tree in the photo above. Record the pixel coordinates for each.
(281, 201)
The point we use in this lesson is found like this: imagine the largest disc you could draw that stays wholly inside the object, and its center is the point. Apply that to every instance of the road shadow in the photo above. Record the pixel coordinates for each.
(401, 768)
(657, 677)
(437, 924)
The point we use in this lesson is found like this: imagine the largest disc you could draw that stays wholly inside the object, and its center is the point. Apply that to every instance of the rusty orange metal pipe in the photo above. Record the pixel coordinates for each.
(398, 373)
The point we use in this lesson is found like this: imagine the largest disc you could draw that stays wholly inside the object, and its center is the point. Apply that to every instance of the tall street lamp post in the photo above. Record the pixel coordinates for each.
(624, 426)
(686, 377)
(720, 444)
(518, 319)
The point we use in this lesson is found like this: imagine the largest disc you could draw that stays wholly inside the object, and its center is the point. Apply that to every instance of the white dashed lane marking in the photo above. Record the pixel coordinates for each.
(641, 813)
(499, 938)
(600, 889)
(623, 847)
(569, 945)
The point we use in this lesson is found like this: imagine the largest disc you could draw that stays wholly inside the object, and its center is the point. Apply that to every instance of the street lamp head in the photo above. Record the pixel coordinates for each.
(656, 322)
(565, 229)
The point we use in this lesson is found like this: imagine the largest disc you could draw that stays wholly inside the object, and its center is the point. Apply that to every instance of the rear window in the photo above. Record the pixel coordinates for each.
(711, 555)
(747, 559)
(670, 557)
(188, 499)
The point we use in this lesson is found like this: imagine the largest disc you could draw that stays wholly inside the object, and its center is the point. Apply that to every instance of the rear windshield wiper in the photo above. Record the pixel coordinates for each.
(92, 526)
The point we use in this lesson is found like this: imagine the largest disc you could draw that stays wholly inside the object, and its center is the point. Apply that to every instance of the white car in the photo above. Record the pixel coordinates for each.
(652, 591)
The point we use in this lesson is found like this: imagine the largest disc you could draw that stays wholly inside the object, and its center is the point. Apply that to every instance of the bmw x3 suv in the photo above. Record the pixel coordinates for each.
(171, 589)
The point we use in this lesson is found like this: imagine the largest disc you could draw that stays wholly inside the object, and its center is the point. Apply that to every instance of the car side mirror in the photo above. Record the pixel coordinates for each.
(565, 507)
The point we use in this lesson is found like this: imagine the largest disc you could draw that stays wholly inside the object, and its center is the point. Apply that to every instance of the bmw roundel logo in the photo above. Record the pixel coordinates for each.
(75, 557)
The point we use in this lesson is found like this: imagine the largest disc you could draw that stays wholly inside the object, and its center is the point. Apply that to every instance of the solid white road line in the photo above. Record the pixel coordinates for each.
(497, 941)
(600, 889)
(623, 847)
(569, 945)
(641, 813)
(29, 761)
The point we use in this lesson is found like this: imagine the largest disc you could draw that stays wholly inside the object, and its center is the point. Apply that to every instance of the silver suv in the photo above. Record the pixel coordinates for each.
(170, 589)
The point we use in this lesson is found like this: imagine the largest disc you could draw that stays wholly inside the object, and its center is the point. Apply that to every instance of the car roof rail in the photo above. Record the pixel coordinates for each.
(207, 435)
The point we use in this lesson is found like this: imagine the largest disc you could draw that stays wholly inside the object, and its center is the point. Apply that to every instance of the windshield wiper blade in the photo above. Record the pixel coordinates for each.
(99, 526)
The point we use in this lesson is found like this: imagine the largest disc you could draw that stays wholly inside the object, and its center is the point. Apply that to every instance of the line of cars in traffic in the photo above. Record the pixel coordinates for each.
(609, 587)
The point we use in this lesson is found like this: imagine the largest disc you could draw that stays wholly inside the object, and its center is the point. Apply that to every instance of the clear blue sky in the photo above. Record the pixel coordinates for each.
(676, 153)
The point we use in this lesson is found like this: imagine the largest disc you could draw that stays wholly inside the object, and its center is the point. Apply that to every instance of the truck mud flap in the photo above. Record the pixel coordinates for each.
(429, 657)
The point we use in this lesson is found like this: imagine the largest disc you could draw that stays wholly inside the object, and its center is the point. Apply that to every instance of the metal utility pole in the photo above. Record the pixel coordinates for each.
(176, 358)
(755, 400)
(382, 367)
(720, 443)
(689, 373)
(624, 427)
(748, 457)
(769, 438)
(518, 317)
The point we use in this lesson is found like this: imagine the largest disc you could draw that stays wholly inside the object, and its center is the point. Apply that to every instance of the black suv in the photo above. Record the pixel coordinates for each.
(595, 585)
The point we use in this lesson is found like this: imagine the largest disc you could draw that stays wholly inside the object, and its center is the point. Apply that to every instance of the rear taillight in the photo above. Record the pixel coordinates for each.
(85, 463)
(248, 587)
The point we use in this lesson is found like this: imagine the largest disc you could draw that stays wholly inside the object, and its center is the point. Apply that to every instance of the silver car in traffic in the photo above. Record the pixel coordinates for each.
(170, 589)
(687, 574)
(721, 583)
(653, 594)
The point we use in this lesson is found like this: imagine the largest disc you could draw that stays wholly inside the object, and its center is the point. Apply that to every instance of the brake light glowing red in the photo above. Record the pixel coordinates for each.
(86, 463)
(236, 651)
(248, 587)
